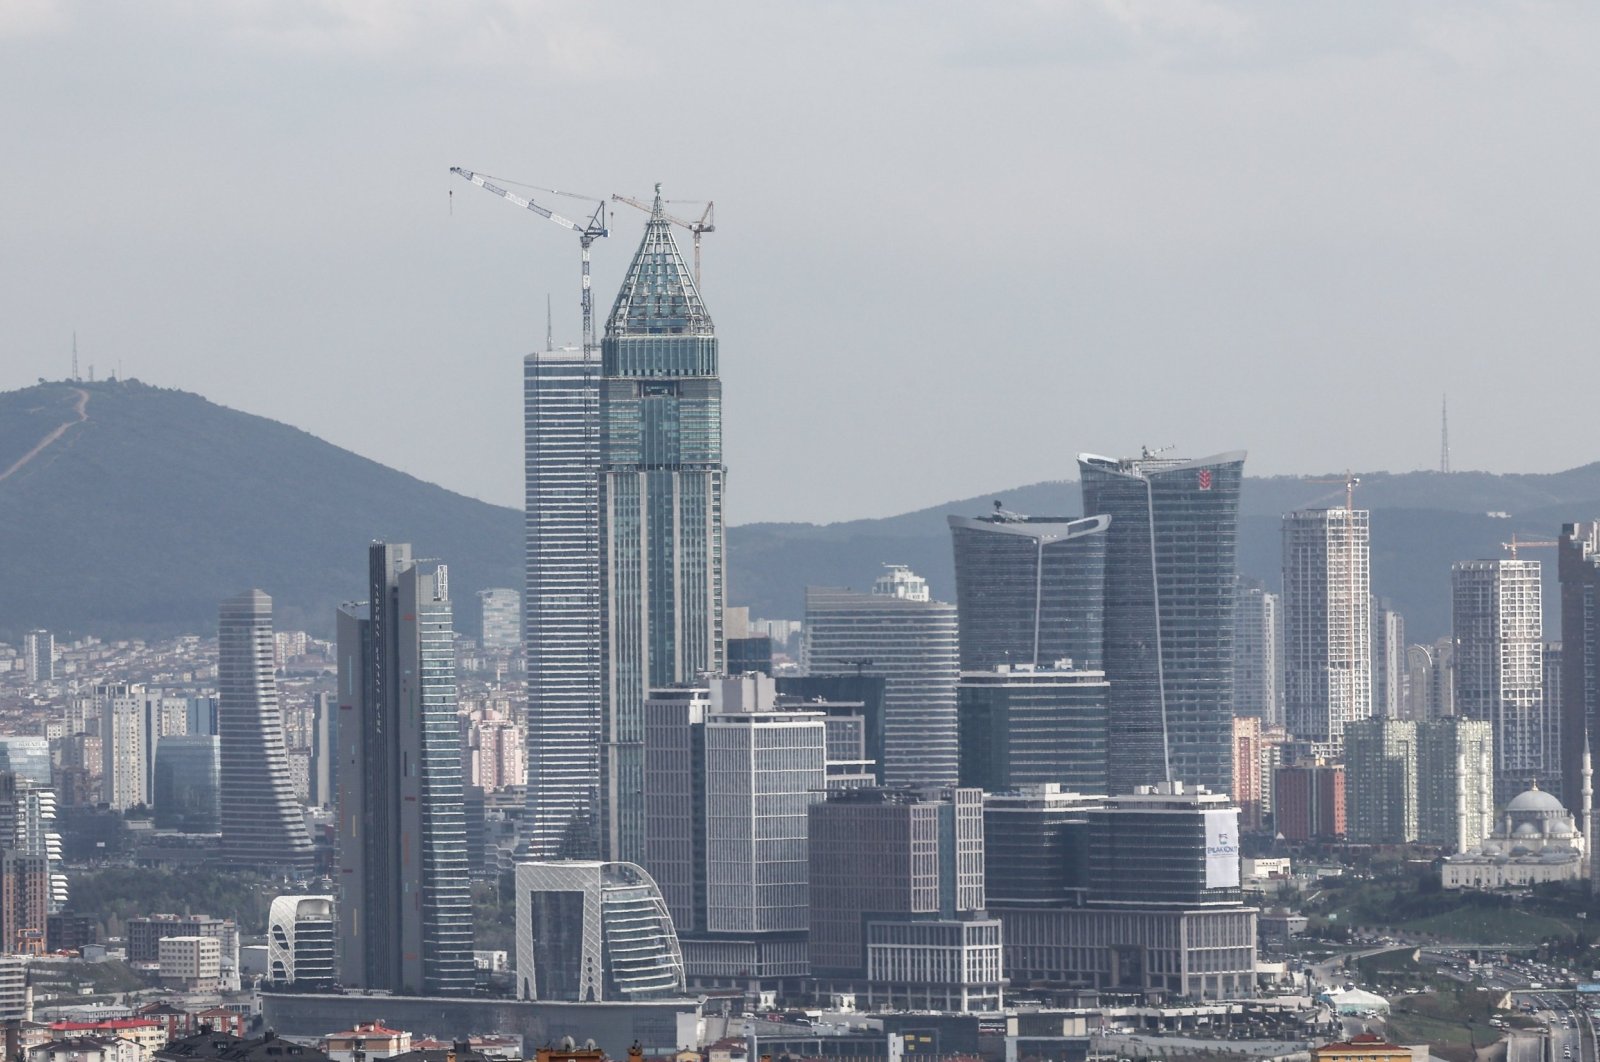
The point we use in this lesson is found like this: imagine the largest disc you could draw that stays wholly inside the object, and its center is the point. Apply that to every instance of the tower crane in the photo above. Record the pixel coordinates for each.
(706, 223)
(1527, 543)
(1350, 481)
(588, 232)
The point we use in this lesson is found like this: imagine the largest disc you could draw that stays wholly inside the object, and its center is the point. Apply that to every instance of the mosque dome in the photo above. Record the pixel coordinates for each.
(1527, 829)
(1535, 799)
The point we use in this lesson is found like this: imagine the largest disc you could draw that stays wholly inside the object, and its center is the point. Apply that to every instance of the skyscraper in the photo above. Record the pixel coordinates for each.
(1455, 774)
(122, 749)
(1327, 625)
(1029, 589)
(1170, 575)
(39, 654)
(561, 602)
(729, 778)
(405, 913)
(1255, 653)
(188, 789)
(1027, 725)
(1382, 798)
(262, 825)
(1579, 567)
(1499, 670)
(661, 518)
(896, 632)
(1389, 669)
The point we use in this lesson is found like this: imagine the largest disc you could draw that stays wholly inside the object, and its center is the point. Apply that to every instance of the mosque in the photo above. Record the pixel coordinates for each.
(1538, 840)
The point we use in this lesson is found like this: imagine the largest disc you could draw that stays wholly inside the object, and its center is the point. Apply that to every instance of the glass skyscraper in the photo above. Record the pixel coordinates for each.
(262, 824)
(660, 508)
(1170, 568)
(405, 912)
(561, 602)
(1029, 589)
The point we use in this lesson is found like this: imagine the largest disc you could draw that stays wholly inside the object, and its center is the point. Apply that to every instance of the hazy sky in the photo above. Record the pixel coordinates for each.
(958, 242)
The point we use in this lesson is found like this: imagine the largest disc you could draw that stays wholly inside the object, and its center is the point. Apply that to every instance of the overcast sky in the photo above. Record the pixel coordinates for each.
(957, 242)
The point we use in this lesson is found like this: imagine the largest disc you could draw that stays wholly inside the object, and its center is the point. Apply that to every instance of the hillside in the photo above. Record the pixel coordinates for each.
(138, 518)
(137, 515)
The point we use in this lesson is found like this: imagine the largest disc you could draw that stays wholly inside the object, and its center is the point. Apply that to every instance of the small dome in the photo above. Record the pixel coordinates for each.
(1521, 850)
(1560, 828)
(1534, 799)
(1527, 829)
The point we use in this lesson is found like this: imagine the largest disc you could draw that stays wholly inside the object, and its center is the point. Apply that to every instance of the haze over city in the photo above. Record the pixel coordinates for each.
(955, 245)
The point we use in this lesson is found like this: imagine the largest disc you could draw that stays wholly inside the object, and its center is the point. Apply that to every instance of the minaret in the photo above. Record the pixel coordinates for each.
(1586, 827)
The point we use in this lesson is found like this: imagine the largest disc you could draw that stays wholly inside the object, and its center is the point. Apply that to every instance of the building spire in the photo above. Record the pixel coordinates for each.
(658, 296)
(1444, 434)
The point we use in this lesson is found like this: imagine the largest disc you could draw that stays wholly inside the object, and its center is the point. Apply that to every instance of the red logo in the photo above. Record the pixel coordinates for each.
(1203, 477)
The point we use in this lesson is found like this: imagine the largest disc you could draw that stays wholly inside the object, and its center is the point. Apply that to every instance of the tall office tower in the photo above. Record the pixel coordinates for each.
(1327, 625)
(661, 519)
(502, 618)
(1388, 661)
(262, 825)
(561, 602)
(1029, 589)
(1025, 725)
(1499, 670)
(1381, 767)
(1455, 774)
(202, 716)
(860, 696)
(897, 899)
(39, 655)
(324, 765)
(1169, 613)
(1430, 681)
(164, 716)
(896, 632)
(593, 932)
(405, 910)
(1255, 652)
(1036, 847)
(188, 789)
(122, 751)
(1579, 570)
(728, 778)
(28, 758)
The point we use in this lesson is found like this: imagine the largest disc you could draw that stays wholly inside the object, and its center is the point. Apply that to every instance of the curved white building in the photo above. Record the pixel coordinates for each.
(594, 932)
(300, 933)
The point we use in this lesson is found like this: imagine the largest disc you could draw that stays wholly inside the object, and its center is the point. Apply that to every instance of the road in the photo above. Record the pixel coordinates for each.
(80, 407)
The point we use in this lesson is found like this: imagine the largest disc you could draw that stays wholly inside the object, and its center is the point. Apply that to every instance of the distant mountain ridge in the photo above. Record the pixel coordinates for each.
(139, 518)
(137, 515)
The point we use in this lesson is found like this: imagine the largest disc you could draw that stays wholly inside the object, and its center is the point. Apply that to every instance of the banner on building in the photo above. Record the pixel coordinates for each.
(1222, 849)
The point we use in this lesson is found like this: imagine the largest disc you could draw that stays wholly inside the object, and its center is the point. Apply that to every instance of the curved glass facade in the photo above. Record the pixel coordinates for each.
(188, 783)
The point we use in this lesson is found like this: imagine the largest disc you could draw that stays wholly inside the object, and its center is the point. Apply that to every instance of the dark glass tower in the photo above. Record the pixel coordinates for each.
(405, 912)
(1169, 616)
(1579, 567)
(661, 524)
(1029, 589)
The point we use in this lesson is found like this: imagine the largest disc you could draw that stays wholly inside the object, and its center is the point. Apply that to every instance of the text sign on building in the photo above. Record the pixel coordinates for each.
(1222, 849)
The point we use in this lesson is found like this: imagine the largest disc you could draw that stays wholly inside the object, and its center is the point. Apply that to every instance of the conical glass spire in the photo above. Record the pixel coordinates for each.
(658, 296)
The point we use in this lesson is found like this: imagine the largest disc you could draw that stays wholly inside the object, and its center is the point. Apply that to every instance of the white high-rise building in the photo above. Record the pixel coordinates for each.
(561, 601)
(1255, 653)
(122, 749)
(729, 780)
(1499, 670)
(1389, 664)
(1327, 624)
(39, 653)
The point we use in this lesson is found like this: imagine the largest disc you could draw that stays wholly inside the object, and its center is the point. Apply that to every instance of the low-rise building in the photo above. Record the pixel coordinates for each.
(1537, 842)
(148, 1033)
(191, 964)
(372, 1039)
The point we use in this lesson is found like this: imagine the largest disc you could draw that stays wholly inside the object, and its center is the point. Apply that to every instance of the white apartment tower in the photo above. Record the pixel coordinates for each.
(122, 747)
(1498, 630)
(1327, 624)
(561, 601)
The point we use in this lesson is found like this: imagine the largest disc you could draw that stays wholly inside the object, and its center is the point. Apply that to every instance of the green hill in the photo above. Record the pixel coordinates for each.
(139, 518)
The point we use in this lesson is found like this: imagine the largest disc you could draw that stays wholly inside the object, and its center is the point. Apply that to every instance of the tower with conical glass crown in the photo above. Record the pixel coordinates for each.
(661, 523)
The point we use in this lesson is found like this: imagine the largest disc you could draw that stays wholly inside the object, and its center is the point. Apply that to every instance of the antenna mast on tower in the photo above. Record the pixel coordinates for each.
(75, 376)
(1444, 434)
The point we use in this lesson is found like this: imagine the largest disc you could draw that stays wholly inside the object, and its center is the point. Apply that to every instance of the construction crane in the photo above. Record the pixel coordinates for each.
(1350, 481)
(1526, 543)
(707, 222)
(589, 232)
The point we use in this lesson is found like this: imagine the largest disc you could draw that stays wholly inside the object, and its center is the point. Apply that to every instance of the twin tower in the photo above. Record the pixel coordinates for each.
(624, 548)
